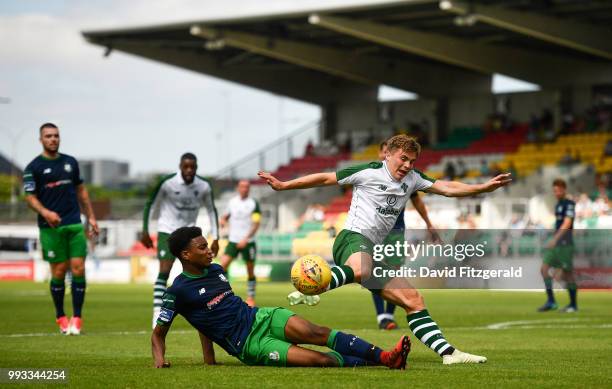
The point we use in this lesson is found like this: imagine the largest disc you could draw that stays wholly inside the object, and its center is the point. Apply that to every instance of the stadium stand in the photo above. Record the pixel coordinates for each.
(308, 164)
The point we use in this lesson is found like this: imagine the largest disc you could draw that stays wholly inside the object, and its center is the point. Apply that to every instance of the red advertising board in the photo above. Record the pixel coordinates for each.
(17, 270)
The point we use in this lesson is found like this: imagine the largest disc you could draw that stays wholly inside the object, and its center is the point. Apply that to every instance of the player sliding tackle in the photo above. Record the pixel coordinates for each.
(256, 336)
(380, 190)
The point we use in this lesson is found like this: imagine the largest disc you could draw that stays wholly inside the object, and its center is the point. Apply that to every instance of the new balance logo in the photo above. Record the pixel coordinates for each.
(404, 188)
(382, 187)
(202, 291)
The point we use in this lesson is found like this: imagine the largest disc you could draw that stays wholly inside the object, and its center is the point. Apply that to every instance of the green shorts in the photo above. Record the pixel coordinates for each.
(560, 257)
(391, 239)
(163, 252)
(248, 252)
(61, 243)
(349, 242)
(266, 344)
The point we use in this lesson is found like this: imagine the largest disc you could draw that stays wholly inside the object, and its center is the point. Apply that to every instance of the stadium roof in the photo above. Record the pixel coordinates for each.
(433, 48)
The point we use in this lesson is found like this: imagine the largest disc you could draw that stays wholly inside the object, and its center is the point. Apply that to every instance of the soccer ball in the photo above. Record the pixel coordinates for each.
(310, 275)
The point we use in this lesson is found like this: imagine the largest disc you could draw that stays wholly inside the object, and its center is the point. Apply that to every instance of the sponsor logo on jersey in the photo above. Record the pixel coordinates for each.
(57, 183)
(47, 170)
(217, 299)
(202, 291)
(274, 356)
(388, 211)
(165, 315)
(68, 167)
(29, 186)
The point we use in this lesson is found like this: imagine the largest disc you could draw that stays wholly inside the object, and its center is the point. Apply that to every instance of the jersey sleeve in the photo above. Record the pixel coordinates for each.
(157, 192)
(29, 183)
(76, 174)
(570, 210)
(354, 175)
(209, 204)
(423, 181)
(167, 312)
(256, 215)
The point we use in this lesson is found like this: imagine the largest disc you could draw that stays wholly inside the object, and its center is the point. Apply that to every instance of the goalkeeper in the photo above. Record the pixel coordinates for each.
(256, 336)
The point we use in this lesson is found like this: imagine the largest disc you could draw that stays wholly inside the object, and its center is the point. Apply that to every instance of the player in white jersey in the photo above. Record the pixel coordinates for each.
(380, 191)
(179, 196)
(244, 216)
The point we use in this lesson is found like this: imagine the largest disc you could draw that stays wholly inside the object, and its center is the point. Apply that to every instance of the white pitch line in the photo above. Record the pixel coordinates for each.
(111, 333)
(508, 325)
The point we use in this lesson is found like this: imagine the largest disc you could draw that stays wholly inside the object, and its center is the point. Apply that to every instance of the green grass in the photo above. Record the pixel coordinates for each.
(554, 350)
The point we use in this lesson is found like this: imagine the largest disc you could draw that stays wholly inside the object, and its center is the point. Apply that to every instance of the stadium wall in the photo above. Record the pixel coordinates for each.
(361, 118)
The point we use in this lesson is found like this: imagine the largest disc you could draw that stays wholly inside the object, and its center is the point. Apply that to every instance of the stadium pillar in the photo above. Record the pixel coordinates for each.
(329, 123)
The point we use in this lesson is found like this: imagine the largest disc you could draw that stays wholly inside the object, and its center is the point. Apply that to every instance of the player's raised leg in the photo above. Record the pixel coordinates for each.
(400, 292)
(351, 251)
(350, 349)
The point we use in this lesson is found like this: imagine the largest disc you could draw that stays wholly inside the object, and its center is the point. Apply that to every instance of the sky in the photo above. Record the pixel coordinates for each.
(125, 107)
(129, 108)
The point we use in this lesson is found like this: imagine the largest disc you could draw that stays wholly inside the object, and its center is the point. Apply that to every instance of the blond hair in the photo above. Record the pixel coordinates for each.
(405, 143)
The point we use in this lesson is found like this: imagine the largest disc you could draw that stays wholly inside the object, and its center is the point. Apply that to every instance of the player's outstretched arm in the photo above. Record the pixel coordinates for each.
(309, 181)
(459, 189)
(158, 346)
(207, 349)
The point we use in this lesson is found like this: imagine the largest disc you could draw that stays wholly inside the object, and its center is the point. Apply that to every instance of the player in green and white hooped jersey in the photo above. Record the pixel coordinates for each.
(180, 197)
(380, 191)
(244, 216)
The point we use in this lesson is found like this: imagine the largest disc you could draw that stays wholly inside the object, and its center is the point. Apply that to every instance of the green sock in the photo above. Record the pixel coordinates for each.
(341, 275)
(424, 328)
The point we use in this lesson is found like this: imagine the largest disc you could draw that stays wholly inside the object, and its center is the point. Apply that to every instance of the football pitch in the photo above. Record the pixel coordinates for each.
(524, 348)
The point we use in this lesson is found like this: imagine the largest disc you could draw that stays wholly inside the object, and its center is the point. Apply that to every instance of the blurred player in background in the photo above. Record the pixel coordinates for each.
(256, 336)
(380, 192)
(384, 316)
(180, 196)
(54, 189)
(560, 250)
(244, 216)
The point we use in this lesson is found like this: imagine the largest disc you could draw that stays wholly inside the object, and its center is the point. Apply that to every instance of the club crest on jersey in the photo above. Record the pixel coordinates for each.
(202, 291)
(222, 277)
(274, 356)
(67, 167)
(391, 200)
